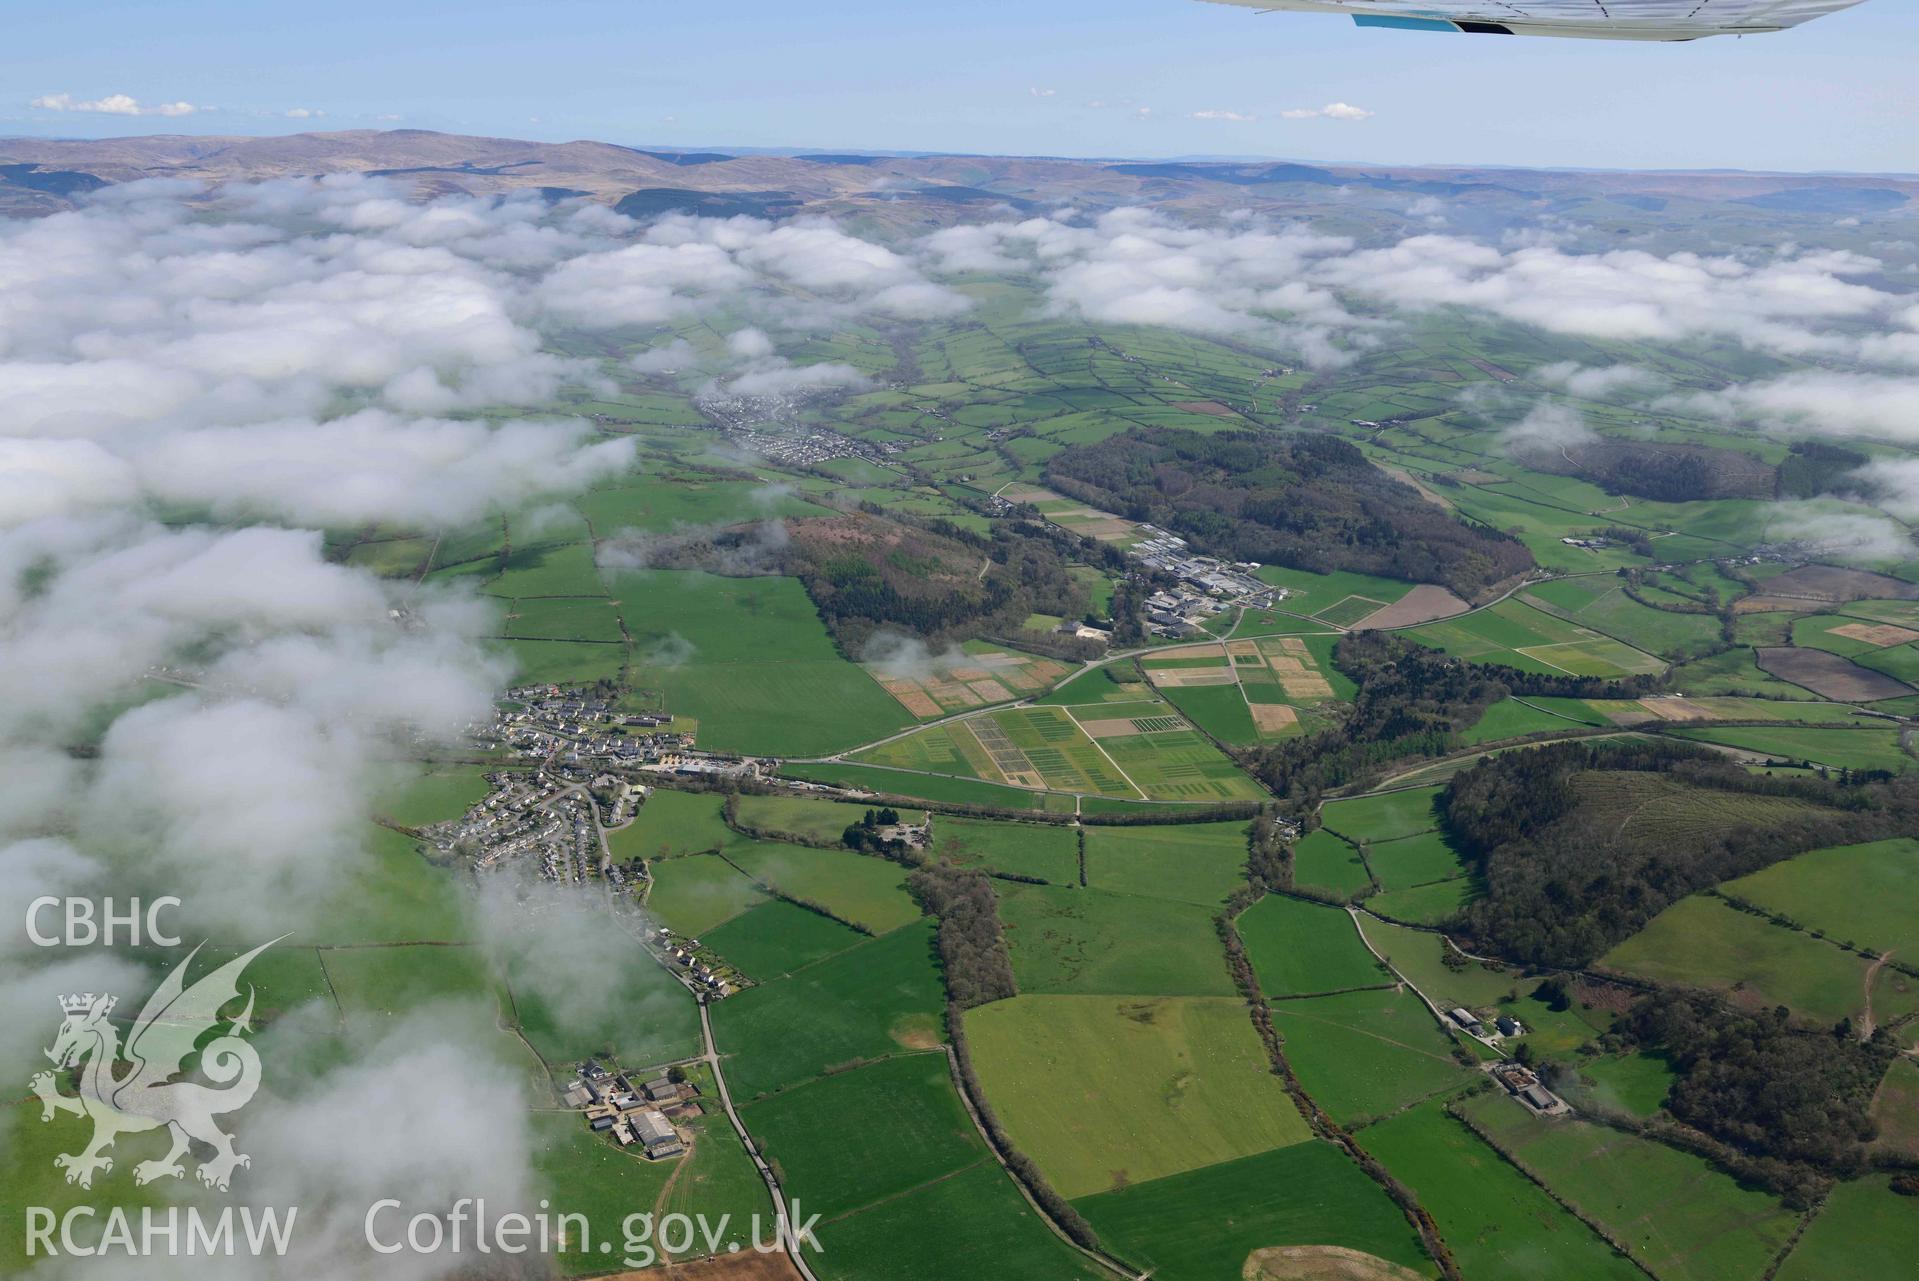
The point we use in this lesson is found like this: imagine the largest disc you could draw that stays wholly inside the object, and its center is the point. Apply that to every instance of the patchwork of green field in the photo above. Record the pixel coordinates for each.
(1050, 748)
(671, 823)
(1517, 635)
(1861, 749)
(548, 569)
(1202, 1225)
(751, 661)
(1602, 604)
(643, 1018)
(1299, 948)
(1678, 1215)
(1363, 1055)
(1323, 861)
(664, 503)
(777, 938)
(1500, 1225)
(1383, 816)
(1049, 851)
(1090, 942)
(866, 1002)
(1340, 592)
(930, 787)
(1861, 894)
(970, 1225)
(1704, 942)
(1191, 862)
(799, 816)
(821, 1136)
(1103, 1091)
(862, 889)
(693, 894)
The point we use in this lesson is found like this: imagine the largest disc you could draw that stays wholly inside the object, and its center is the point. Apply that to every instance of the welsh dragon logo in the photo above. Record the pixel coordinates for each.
(146, 1097)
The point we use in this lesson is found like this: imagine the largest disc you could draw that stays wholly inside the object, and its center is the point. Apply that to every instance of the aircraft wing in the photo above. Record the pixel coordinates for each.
(1583, 19)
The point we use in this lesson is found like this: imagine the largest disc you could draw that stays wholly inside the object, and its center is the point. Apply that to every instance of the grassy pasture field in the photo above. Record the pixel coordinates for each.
(1201, 1225)
(1362, 1055)
(1896, 1110)
(1299, 948)
(1682, 1218)
(567, 618)
(1603, 606)
(1517, 635)
(974, 1224)
(930, 787)
(777, 938)
(717, 1178)
(644, 1018)
(859, 888)
(439, 794)
(672, 823)
(1417, 953)
(1107, 1090)
(581, 1173)
(1863, 894)
(695, 893)
(1047, 748)
(1500, 1225)
(1633, 1085)
(800, 816)
(1432, 904)
(1864, 1230)
(1324, 861)
(1863, 748)
(1384, 816)
(843, 1141)
(1194, 863)
(863, 1003)
(1514, 718)
(1046, 850)
(1221, 711)
(1406, 861)
(1089, 942)
(1702, 942)
(750, 659)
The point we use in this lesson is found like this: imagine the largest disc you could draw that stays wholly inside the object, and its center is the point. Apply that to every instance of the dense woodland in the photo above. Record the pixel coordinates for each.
(1412, 702)
(972, 948)
(1305, 501)
(1786, 1097)
(1567, 877)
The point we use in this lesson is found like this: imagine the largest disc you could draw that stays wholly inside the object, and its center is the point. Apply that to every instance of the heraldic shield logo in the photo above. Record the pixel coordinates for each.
(145, 1095)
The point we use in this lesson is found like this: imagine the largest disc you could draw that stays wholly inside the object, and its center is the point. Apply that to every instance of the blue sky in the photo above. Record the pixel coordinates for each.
(996, 77)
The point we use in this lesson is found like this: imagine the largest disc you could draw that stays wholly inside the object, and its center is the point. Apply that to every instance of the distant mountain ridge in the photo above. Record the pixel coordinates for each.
(39, 176)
